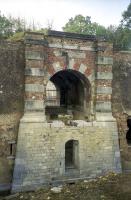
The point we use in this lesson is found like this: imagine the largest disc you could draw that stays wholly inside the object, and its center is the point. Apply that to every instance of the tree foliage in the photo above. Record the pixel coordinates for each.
(5, 27)
(120, 36)
(126, 21)
(11, 27)
(83, 25)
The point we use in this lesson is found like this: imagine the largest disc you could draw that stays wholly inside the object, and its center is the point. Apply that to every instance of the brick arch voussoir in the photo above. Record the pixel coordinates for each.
(52, 72)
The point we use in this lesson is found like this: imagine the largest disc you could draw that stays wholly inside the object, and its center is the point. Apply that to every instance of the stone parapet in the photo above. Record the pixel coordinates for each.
(104, 90)
(102, 60)
(34, 72)
(34, 55)
(34, 88)
(104, 75)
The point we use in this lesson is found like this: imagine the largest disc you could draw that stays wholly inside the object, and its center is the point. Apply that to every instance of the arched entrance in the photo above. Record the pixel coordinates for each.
(71, 154)
(72, 91)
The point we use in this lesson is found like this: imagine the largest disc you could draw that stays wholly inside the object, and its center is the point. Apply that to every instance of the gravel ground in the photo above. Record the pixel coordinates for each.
(109, 187)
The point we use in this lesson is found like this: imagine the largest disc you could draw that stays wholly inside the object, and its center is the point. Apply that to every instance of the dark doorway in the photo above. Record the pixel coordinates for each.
(71, 154)
(128, 134)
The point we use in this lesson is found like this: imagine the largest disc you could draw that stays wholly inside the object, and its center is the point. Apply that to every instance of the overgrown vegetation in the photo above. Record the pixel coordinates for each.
(12, 28)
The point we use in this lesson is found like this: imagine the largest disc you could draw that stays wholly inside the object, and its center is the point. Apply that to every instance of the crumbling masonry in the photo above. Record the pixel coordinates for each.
(73, 98)
(67, 130)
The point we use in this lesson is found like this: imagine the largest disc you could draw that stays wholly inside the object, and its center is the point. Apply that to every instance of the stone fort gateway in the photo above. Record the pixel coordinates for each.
(73, 122)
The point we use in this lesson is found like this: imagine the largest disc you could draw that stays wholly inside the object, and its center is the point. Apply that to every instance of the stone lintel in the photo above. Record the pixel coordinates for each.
(75, 47)
(105, 60)
(104, 116)
(42, 42)
(104, 75)
(76, 54)
(34, 72)
(34, 55)
(34, 105)
(34, 64)
(102, 106)
(34, 88)
(88, 48)
(55, 45)
(104, 90)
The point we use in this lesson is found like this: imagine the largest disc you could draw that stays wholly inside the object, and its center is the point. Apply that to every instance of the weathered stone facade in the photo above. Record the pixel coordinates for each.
(101, 80)
(121, 102)
(43, 146)
(40, 155)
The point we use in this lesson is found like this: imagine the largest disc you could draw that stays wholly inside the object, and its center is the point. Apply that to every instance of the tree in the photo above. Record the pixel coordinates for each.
(120, 36)
(126, 21)
(18, 24)
(98, 29)
(123, 32)
(10, 25)
(13, 28)
(83, 25)
(6, 27)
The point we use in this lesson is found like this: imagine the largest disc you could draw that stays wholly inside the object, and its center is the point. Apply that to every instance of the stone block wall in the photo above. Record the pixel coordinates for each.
(104, 77)
(12, 64)
(11, 106)
(19, 66)
(41, 152)
(40, 156)
(121, 101)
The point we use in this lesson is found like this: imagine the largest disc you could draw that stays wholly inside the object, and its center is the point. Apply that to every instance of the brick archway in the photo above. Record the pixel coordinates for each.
(47, 56)
(71, 90)
(78, 67)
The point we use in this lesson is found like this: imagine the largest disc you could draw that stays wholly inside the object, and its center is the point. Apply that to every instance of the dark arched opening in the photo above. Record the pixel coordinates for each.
(73, 90)
(128, 134)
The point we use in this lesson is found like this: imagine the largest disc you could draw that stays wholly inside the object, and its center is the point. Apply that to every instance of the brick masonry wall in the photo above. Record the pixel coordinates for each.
(11, 77)
(12, 63)
(121, 101)
(11, 105)
(41, 157)
(104, 77)
(47, 56)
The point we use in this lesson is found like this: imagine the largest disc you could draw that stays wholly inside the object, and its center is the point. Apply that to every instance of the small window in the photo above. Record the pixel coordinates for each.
(11, 151)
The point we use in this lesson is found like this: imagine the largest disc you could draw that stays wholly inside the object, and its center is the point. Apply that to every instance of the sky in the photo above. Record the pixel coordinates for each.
(58, 12)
